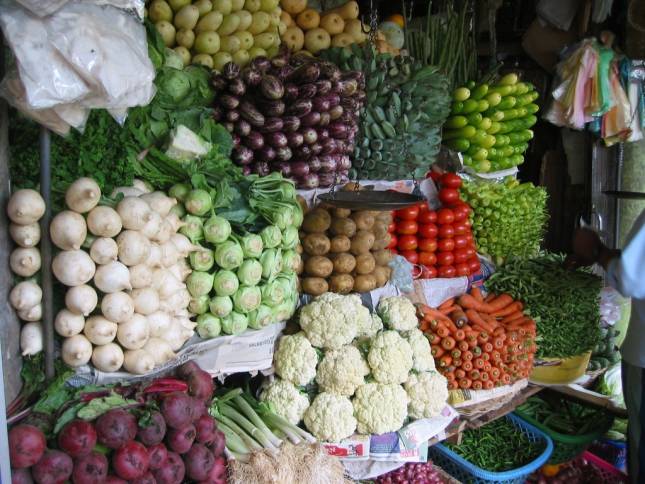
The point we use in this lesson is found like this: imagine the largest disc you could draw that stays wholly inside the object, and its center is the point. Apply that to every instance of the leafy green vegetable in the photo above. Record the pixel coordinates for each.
(98, 406)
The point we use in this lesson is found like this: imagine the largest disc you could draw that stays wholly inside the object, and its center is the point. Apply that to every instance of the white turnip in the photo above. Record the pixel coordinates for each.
(134, 213)
(31, 338)
(199, 461)
(81, 299)
(169, 254)
(53, 468)
(158, 455)
(99, 330)
(152, 226)
(76, 351)
(154, 258)
(166, 283)
(183, 245)
(154, 432)
(68, 324)
(115, 428)
(83, 195)
(73, 267)
(174, 221)
(25, 235)
(68, 230)
(118, 307)
(131, 461)
(108, 358)
(25, 261)
(158, 324)
(112, 277)
(26, 207)
(142, 186)
(166, 229)
(181, 270)
(146, 300)
(32, 314)
(127, 192)
(140, 276)
(133, 333)
(176, 408)
(172, 471)
(90, 469)
(159, 202)
(104, 250)
(26, 445)
(159, 349)
(134, 247)
(181, 440)
(205, 427)
(179, 300)
(25, 295)
(138, 362)
(104, 222)
(77, 438)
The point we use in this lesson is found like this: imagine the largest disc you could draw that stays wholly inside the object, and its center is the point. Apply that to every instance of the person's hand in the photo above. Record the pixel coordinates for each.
(587, 247)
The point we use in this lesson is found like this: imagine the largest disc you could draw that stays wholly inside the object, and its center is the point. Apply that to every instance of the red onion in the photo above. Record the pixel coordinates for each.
(344, 163)
(328, 163)
(336, 112)
(323, 134)
(326, 179)
(277, 140)
(323, 86)
(283, 167)
(254, 140)
(302, 152)
(261, 168)
(236, 139)
(334, 100)
(328, 146)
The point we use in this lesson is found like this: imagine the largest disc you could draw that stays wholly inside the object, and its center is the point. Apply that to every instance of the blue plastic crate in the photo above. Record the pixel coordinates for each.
(464, 471)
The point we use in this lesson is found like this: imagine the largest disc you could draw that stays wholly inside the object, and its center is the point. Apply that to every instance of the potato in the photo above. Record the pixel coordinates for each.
(314, 286)
(364, 283)
(362, 242)
(343, 226)
(303, 203)
(301, 266)
(339, 244)
(365, 263)
(385, 217)
(317, 220)
(382, 257)
(379, 229)
(343, 263)
(318, 266)
(341, 212)
(382, 275)
(299, 249)
(316, 244)
(364, 220)
(382, 243)
(341, 283)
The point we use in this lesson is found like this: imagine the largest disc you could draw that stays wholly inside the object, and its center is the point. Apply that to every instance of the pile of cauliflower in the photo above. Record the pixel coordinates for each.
(372, 371)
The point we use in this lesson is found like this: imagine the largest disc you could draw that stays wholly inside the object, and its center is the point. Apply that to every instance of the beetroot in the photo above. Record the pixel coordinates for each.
(115, 428)
(147, 478)
(177, 409)
(131, 461)
(200, 384)
(217, 474)
(26, 445)
(21, 476)
(172, 472)
(181, 440)
(153, 433)
(114, 480)
(157, 455)
(199, 461)
(199, 409)
(205, 427)
(77, 438)
(187, 369)
(220, 443)
(90, 469)
(54, 467)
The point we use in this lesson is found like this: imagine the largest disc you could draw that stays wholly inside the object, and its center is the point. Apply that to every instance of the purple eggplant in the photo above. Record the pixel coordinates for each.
(347, 118)
(341, 146)
(277, 140)
(307, 91)
(305, 73)
(242, 127)
(300, 168)
(349, 104)
(314, 164)
(329, 146)
(233, 115)
(271, 87)
(228, 102)
(261, 63)
(299, 58)
(236, 139)
(291, 123)
(323, 133)
(261, 168)
(311, 119)
(325, 119)
(218, 113)
(295, 139)
(282, 58)
(349, 75)
(316, 148)
(300, 108)
(272, 108)
(302, 152)
(230, 70)
(330, 71)
(323, 86)
(328, 163)
(361, 96)
(348, 88)
(283, 154)
(344, 163)
(283, 167)
(230, 127)
(254, 140)
(251, 114)
(343, 177)
(271, 125)
(219, 82)
(309, 181)
(250, 76)
(290, 92)
(338, 130)
(310, 135)
(266, 153)
(246, 170)
(283, 72)
(334, 100)
(321, 103)
(242, 155)
(237, 87)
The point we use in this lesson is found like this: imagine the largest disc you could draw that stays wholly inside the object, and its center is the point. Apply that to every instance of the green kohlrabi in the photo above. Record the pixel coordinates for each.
(217, 229)
(261, 317)
(180, 191)
(193, 228)
(199, 305)
(179, 210)
(198, 202)
(284, 310)
(221, 306)
(225, 283)
(208, 326)
(271, 236)
(290, 237)
(229, 255)
(235, 323)
(250, 272)
(290, 261)
(271, 260)
(199, 283)
(246, 299)
(202, 260)
(252, 245)
(273, 293)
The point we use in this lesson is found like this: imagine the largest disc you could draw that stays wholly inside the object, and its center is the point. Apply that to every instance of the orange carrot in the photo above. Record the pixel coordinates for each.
(460, 335)
(458, 317)
(479, 363)
(448, 310)
(467, 355)
(437, 351)
(477, 385)
(466, 301)
(457, 362)
(511, 308)
(483, 376)
(447, 303)
(448, 343)
(465, 383)
(453, 385)
(475, 318)
(488, 347)
(460, 373)
(442, 331)
(467, 365)
(485, 356)
(500, 302)
(455, 353)
(512, 317)
(488, 366)
(488, 384)
(474, 374)
(490, 297)
(477, 294)
(445, 361)
(424, 325)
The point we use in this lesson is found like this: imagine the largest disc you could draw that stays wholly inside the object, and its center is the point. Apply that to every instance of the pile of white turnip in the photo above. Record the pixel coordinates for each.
(126, 305)
(179, 443)
(25, 208)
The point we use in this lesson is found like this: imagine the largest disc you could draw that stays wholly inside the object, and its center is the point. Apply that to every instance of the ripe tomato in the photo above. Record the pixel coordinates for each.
(446, 231)
(474, 265)
(445, 258)
(427, 217)
(461, 211)
(446, 271)
(460, 228)
(435, 175)
(448, 196)
(470, 251)
(411, 255)
(391, 228)
(408, 213)
(393, 242)
(461, 256)
(427, 258)
(428, 272)
(450, 180)
(462, 269)
(428, 245)
(470, 238)
(445, 216)
(429, 231)
(423, 207)
(460, 241)
(407, 227)
(407, 242)
(446, 245)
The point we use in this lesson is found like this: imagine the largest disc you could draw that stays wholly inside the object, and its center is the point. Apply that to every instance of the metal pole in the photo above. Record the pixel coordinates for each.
(619, 186)
(46, 252)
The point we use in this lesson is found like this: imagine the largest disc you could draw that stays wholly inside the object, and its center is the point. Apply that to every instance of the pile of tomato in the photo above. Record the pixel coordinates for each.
(439, 242)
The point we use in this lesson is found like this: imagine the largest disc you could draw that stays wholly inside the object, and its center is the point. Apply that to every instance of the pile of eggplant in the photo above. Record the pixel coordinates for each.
(291, 114)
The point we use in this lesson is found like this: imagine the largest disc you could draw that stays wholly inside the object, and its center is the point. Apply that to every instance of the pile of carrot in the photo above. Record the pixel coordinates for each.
(478, 342)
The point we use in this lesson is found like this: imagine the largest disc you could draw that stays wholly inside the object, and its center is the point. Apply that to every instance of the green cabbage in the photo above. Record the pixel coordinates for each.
(225, 283)
(250, 272)
(229, 255)
(261, 317)
(235, 323)
(221, 306)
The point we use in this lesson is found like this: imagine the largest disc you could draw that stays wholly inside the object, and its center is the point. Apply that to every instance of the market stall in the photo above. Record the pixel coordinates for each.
(275, 241)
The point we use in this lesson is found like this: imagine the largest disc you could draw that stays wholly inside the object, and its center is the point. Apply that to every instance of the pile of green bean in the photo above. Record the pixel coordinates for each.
(565, 304)
(497, 447)
(563, 416)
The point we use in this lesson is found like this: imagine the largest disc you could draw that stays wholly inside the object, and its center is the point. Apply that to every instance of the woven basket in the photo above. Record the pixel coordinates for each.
(482, 408)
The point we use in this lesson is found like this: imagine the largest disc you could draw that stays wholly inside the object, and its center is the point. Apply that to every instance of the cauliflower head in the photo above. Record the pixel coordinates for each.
(330, 417)
(422, 359)
(373, 326)
(341, 371)
(380, 408)
(286, 400)
(390, 358)
(427, 393)
(295, 359)
(398, 313)
(333, 320)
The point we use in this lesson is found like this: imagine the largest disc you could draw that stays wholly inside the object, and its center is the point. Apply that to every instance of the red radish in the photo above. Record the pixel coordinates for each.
(77, 438)
(115, 428)
(219, 444)
(217, 473)
(172, 472)
(205, 427)
(21, 476)
(200, 384)
(53, 468)
(181, 440)
(147, 478)
(177, 409)
(157, 455)
(114, 480)
(154, 432)
(26, 445)
(199, 461)
(90, 468)
(131, 461)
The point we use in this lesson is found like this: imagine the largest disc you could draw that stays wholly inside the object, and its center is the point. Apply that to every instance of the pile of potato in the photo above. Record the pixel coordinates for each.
(344, 251)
